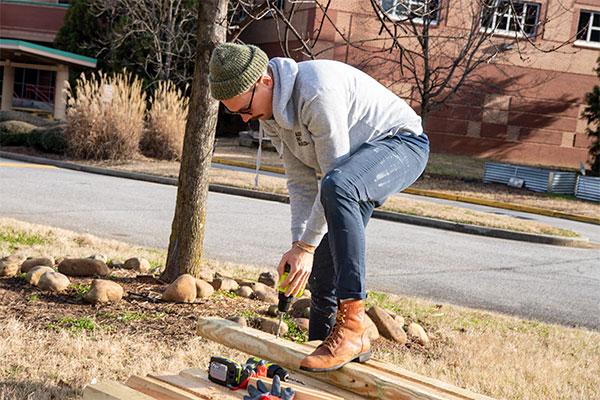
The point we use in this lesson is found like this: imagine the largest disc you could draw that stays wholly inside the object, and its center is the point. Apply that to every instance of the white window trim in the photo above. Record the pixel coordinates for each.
(507, 32)
(590, 28)
(587, 45)
(395, 17)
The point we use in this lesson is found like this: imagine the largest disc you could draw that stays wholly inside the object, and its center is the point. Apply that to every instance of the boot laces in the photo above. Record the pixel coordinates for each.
(335, 336)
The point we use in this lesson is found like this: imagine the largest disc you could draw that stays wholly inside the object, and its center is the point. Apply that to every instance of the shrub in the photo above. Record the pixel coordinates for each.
(165, 128)
(105, 118)
(49, 139)
(592, 114)
(14, 133)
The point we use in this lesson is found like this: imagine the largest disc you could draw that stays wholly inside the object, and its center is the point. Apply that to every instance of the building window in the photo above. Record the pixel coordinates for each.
(414, 10)
(34, 88)
(588, 28)
(506, 17)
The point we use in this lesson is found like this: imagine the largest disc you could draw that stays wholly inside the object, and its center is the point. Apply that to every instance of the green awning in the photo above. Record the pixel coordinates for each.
(46, 52)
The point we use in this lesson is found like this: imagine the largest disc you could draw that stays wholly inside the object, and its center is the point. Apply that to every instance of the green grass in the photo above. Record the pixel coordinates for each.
(74, 324)
(294, 332)
(22, 276)
(33, 298)
(224, 293)
(80, 289)
(15, 239)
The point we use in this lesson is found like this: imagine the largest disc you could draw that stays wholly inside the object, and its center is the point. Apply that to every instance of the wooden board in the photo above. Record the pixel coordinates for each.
(374, 380)
(300, 392)
(161, 390)
(201, 387)
(112, 391)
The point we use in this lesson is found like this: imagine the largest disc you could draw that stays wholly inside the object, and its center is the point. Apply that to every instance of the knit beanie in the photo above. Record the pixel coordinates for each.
(234, 68)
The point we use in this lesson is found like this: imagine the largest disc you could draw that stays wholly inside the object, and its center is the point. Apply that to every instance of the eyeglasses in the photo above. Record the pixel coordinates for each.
(248, 109)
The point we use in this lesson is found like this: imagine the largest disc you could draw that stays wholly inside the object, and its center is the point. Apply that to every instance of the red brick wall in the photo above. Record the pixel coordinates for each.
(32, 22)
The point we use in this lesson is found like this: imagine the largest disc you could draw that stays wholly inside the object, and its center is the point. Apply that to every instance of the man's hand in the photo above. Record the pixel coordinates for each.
(300, 258)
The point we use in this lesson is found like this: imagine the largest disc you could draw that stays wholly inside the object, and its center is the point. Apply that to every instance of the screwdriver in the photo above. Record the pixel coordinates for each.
(283, 306)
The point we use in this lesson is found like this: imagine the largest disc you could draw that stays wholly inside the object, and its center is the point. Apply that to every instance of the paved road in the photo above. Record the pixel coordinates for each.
(543, 282)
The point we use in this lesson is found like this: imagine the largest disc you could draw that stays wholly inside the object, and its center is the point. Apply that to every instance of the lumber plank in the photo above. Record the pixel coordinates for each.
(160, 390)
(200, 387)
(364, 380)
(112, 391)
(309, 382)
(301, 392)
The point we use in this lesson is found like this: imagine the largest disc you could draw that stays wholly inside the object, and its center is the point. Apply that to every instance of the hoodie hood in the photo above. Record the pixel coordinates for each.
(284, 71)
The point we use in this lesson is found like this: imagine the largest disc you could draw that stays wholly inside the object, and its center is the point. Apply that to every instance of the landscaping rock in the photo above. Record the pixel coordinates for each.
(302, 323)
(268, 278)
(83, 267)
(245, 291)
(35, 273)
(418, 334)
(266, 296)
(28, 264)
(53, 281)
(116, 264)
(260, 286)
(371, 328)
(103, 291)
(182, 290)
(203, 289)
(242, 321)
(269, 325)
(298, 309)
(137, 264)
(100, 257)
(273, 310)
(225, 284)
(399, 319)
(10, 265)
(386, 325)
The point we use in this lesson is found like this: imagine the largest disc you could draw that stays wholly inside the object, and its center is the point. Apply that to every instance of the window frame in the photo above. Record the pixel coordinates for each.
(417, 20)
(587, 42)
(507, 32)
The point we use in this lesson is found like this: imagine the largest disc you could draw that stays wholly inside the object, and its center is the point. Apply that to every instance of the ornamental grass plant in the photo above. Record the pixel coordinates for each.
(105, 117)
(165, 126)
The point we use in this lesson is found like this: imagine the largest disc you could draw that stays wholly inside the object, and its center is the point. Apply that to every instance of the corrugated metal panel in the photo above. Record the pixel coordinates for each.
(536, 179)
(588, 188)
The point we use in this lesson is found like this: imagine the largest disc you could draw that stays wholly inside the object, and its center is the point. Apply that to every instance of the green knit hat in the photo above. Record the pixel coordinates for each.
(234, 68)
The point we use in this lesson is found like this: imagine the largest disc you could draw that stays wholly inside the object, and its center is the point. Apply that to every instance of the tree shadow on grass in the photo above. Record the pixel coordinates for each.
(26, 390)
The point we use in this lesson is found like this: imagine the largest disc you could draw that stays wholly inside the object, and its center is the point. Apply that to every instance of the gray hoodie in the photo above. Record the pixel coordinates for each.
(323, 111)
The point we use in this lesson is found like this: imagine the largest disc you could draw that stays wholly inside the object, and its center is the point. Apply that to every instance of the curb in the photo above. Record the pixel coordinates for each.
(445, 196)
(379, 214)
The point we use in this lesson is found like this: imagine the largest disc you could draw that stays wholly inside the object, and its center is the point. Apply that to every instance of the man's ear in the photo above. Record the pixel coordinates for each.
(267, 80)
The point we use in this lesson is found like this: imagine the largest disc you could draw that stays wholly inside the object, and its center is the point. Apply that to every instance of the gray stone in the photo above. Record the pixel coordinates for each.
(83, 267)
(268, 278)
(298, 309)
(386, 325)
(35, 273)
(418, 334)
(266, 296)
(242, 321)
(28, 264)
(269, 325)
(137, 264)
(225, 284)
(302, 323)
(203, 289)
(53, 281)
(10, 265)
(182, 290)
(103, 291)
(371, 328)
(245, 291)
(273, 311)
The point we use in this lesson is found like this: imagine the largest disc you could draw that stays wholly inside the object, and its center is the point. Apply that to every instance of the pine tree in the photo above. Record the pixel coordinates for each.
(592, 113)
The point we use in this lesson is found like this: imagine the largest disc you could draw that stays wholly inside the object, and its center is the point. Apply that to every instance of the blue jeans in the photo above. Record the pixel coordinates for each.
(349, 193)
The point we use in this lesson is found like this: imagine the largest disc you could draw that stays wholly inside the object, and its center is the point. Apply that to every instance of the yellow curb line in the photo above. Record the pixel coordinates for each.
(445, 196)
(21, 165)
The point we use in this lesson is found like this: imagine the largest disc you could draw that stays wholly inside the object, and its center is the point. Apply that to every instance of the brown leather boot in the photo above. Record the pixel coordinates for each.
(348, 340)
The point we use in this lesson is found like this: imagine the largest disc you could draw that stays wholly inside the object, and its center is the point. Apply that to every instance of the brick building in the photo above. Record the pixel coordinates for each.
(32, 73)
(529, 109)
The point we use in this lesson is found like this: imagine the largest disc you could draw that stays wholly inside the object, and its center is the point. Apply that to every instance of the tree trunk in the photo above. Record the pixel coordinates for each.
(187, 232)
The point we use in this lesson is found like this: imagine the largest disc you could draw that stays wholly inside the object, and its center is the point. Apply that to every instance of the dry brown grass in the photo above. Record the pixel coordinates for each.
(497, 355)
(105, 118)
(165, 127)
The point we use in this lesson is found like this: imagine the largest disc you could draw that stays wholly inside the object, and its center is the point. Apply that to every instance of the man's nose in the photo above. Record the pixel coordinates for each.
(246, 117)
